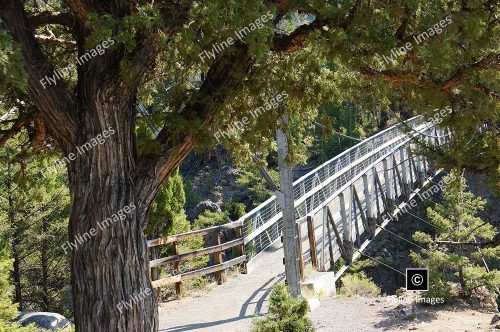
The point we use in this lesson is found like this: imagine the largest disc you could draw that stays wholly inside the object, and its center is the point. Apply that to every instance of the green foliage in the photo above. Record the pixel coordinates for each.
(208, 219)
(210, 183)
(167, 210)
(256, 189)
(359, 265)
(8, 310)
(455, 220)
(35, 205)
(234, 209)
(286, 314)
(192, 197)
(346, 119)
(13, 327)
(339, 263)
(11, 69)
(358, 284)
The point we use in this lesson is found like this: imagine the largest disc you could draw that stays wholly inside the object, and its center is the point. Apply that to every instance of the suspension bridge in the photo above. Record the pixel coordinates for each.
(340, 208)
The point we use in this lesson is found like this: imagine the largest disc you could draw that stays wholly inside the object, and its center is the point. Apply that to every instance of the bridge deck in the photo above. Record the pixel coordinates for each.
(231, 306)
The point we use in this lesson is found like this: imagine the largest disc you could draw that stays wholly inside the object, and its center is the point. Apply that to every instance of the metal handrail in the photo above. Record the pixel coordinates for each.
(266, 217)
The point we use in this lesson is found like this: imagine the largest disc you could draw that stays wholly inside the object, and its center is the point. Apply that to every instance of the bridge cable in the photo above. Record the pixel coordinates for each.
(422, 219)
(380, 262)
(402, 238)
(336, 132)
(392, 219)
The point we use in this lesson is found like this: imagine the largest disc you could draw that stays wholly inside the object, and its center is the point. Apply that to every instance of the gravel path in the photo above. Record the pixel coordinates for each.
(362, 314)
(231, 306)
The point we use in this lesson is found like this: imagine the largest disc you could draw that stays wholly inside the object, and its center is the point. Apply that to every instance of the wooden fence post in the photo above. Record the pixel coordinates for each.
(301, 255)
(312, 241)
(220, 275)
(241, 249)
(178, 285)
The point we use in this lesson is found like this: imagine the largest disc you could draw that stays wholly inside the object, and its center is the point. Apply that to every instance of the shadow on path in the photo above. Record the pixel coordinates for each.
(265, 289)
(230, 306)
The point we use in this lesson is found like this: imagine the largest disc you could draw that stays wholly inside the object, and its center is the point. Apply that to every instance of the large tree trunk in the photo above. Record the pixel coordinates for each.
(111, 287)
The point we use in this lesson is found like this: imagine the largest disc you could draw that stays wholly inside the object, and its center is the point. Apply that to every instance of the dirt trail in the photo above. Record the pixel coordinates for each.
(378, 314)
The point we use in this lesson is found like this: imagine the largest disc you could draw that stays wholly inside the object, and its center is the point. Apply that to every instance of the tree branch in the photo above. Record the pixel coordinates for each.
(350, 16)
(454, 80)
(151, 46)
(223, 79)
(490, 244)
(14, 130)
(53, 101)
(53, 40)
(44, 18)
(446, 84)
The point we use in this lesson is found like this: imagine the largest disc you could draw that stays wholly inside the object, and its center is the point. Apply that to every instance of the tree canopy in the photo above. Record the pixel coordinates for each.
(74, 72)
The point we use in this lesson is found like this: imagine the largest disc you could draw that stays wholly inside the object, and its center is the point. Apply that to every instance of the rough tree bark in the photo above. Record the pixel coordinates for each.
(110, 268)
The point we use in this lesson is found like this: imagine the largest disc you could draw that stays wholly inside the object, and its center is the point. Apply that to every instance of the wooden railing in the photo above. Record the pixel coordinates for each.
(216, 250)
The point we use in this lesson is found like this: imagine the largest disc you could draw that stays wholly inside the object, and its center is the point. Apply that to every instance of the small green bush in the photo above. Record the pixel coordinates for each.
(286, 314)
(235, 209)
(359, 284)
(14, 327)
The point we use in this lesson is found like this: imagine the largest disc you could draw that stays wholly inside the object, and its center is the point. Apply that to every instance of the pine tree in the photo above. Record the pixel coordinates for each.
(8, 310)
(167, 211)
(452, 253)
(34, 209)
(286, 314)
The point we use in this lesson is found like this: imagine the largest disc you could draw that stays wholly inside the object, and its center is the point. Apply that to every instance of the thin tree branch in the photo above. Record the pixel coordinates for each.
(53, 40)
(490, 244)
(14, 130)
